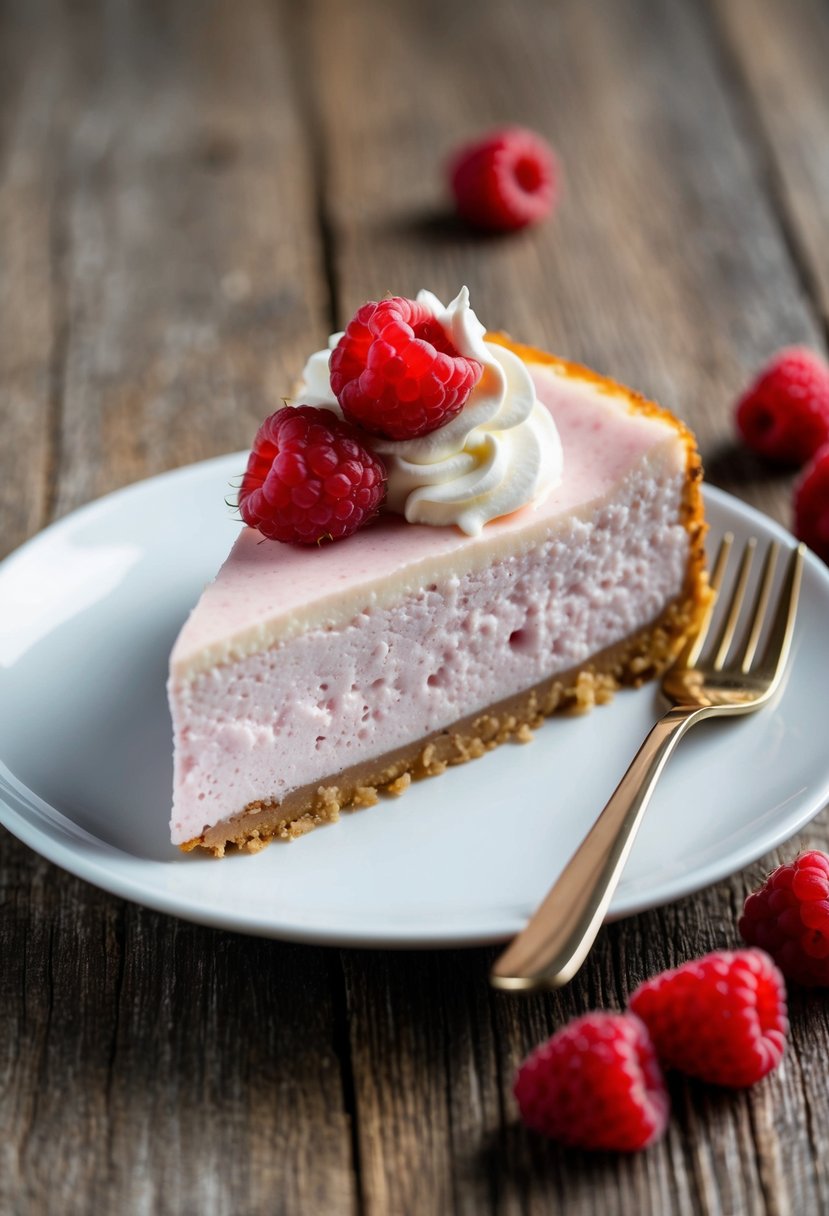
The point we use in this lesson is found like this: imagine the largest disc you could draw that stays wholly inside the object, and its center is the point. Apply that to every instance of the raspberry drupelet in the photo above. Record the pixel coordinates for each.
(396, 373)
(309, 478)
(789, 917)
(595, 1084)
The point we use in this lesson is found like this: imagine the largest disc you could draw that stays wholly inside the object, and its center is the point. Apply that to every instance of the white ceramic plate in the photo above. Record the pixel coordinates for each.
(88, 613)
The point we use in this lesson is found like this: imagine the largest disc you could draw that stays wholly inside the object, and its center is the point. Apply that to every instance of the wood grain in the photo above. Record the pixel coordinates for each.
(776, 59)
(29, 312)
(153, 1066)
(189, 257)
(665, 265)
(191, 196)
(161, 281)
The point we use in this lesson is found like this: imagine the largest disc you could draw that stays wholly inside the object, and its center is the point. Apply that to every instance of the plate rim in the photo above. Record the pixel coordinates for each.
(23, 821)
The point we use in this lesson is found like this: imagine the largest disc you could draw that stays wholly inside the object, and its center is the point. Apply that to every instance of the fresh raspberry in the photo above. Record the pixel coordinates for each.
(595, 1084)
(396, 373)
(505, 180)
(789, 917)
(721, 1018)
(784, 415)
(811, 504)
(309, 478)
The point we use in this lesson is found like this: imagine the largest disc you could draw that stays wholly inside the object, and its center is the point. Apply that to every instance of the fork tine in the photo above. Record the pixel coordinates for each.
(761, 605)
(737, 596)
(777, 647)
(693, 649)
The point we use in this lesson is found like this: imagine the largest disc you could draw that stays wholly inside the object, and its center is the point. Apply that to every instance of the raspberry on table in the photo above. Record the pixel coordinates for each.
(721, 1018)
(784, 414)
(504, 180)
(789, 917)
(309, 478)
(595, 1084)
(811, 504)
(396, 373)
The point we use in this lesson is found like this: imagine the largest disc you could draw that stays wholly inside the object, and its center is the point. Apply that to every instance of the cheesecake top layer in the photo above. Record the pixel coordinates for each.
(268, 592)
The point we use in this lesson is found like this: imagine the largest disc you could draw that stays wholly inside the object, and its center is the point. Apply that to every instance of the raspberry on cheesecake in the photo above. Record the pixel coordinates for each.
(309, 478)
(396, 372)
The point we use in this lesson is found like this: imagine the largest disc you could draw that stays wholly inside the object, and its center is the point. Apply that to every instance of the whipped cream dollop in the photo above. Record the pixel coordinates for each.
(500, 453)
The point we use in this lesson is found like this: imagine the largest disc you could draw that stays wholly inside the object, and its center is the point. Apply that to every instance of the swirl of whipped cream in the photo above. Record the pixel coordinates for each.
(500, 453)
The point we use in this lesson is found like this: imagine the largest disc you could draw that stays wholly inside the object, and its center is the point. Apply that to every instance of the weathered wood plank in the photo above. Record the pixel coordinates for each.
(192, 268)
(425, 1075)
(665, 266)
(153, 1066)
(778, 55)
(160, 278)
(30, 320)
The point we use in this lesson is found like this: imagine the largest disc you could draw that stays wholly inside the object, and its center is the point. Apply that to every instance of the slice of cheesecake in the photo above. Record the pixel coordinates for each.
(306, 680)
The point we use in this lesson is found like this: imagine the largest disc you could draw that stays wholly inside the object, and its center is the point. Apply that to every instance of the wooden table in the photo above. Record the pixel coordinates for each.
(192, 195)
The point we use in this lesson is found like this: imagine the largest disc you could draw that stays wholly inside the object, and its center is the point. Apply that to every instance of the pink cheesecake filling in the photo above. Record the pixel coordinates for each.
(298, 664)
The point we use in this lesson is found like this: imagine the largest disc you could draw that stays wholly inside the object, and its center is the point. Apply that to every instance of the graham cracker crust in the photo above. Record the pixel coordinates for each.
(629, 663)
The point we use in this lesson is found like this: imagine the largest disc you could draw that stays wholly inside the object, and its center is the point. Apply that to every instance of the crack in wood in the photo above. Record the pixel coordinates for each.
(305, 67)
(341, 1043)
(118, 943)
(58, 355)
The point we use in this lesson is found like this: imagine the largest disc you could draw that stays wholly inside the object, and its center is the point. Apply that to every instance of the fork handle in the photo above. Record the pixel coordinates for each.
(554, 944)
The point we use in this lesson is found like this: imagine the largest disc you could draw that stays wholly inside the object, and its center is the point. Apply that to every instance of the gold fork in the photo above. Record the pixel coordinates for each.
(555, 943)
